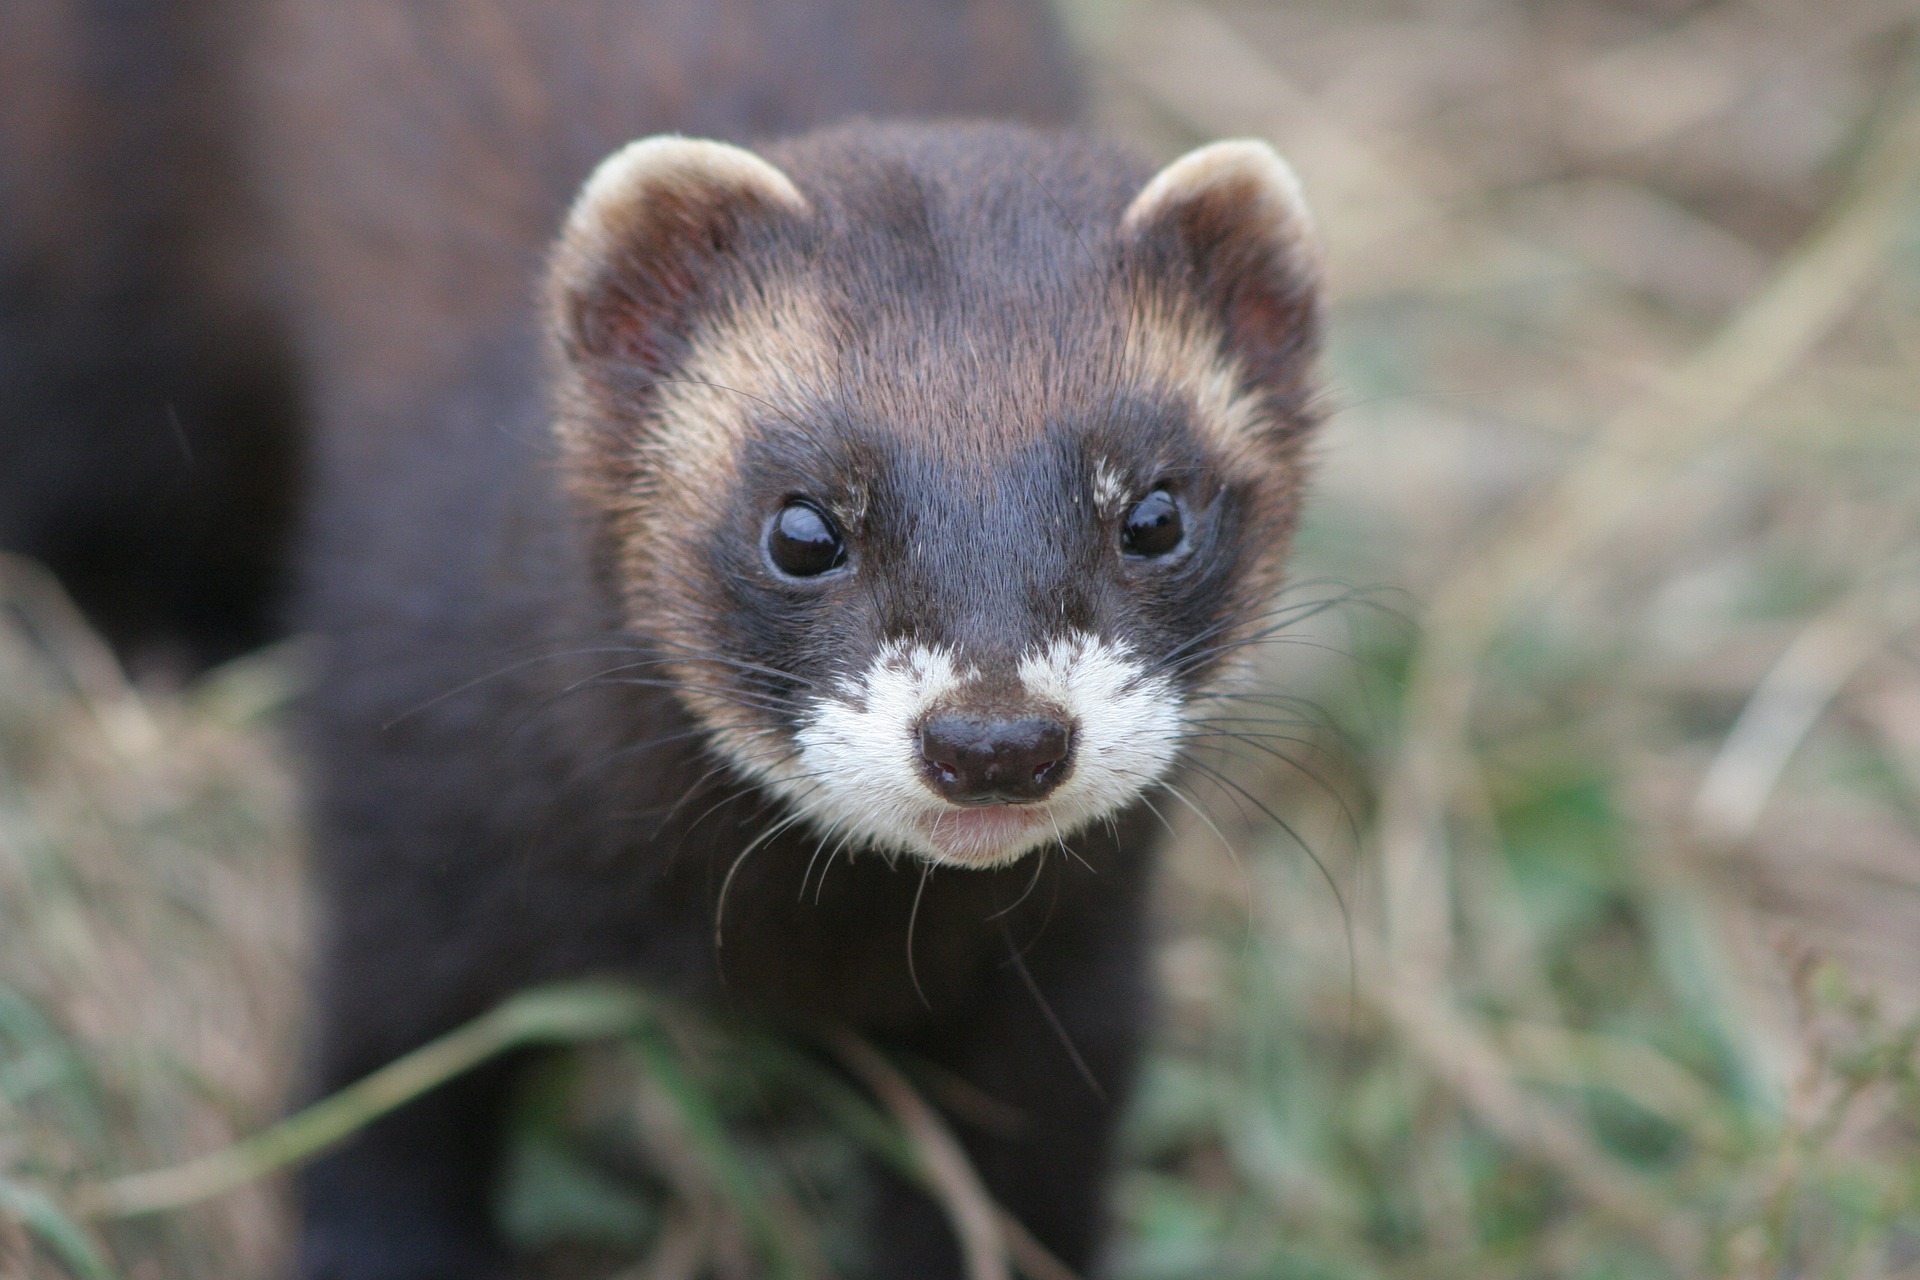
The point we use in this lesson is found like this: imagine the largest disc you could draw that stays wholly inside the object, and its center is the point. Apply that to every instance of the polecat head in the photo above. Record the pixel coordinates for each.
(943, 463)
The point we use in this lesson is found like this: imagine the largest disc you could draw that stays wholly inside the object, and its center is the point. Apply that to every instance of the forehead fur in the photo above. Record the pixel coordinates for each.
(773, 356)
(990, 282)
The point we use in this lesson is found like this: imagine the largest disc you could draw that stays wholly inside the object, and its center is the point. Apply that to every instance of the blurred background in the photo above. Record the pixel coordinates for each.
(1554, 913)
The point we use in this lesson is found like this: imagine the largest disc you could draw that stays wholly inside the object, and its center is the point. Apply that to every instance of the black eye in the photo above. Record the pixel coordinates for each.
(803, 543)
(1152, 526)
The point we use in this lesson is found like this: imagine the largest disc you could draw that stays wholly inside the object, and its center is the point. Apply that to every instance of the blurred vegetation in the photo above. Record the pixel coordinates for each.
(1614, 756)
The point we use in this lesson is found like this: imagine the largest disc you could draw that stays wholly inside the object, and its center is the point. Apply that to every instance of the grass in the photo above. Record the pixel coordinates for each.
(1617, 757)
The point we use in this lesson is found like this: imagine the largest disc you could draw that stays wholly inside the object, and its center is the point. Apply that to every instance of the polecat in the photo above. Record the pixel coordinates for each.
(816, 645)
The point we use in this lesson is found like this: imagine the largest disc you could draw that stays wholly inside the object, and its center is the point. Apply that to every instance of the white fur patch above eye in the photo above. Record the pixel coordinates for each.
(1110, 489)
(858, 774)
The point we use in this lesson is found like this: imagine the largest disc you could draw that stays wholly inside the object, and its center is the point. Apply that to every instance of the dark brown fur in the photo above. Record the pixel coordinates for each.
(147, 445)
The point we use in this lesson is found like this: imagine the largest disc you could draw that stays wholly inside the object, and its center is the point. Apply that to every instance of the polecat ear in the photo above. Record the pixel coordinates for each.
(647, 227)
(1229, 222)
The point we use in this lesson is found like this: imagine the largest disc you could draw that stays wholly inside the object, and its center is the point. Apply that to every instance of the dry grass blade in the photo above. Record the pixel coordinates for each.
(1480, 1076)
(1697, 401)
(1792, 697)
(84, 658)
(988, 1234)
(948, 1172)
(773, 1222)
(1033, 1259)
(562, 1015)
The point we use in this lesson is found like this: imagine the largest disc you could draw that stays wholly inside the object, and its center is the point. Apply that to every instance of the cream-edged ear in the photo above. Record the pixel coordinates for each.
(670, 165)
(652, 222)
(1229, 221)
(1243, 168)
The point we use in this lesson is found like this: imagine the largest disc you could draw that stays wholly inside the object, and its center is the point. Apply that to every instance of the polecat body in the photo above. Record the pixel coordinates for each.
(815, 646)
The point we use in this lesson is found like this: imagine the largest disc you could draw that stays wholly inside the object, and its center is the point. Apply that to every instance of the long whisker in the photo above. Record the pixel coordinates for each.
(1065, 848)
(1039, 865)
(1019, 965)
(820, 885)
(807, 875)
(1291, 612)
(720, 907)
(695, 653)
(1312, 775)
(1346, 915)
(718, 693)
(589, 772)
(913, 918)
(1233, 855)
(1288, 614)
(509, 669)
(744, 788)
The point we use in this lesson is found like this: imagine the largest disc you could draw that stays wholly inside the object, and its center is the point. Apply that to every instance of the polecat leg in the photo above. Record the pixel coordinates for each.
(409, 1198)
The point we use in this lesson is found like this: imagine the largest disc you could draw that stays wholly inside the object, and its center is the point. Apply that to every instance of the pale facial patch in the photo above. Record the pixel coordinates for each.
(858, 776)
(757, 355)
(1170, 344)
(1127, 721)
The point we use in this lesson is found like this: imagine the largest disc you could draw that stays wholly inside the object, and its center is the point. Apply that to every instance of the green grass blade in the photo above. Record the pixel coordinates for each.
(67, 1239)
(554, 1015)
(707, 1134)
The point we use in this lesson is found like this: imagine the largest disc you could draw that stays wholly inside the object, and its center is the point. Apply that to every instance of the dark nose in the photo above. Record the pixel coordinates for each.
(973, 761)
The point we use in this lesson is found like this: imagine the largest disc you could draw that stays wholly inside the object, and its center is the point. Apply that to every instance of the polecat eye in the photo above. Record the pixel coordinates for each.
(802, 542)
(1152, 526)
